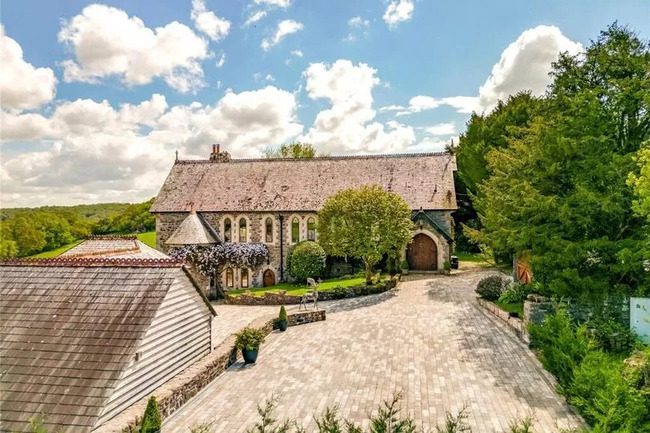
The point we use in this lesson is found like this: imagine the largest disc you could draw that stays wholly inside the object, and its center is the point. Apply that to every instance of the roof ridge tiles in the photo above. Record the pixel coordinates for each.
(128, 262)
(315, 158)
(112, 237)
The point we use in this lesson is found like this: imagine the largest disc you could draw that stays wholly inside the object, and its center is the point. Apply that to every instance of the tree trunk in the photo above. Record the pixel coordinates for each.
(368, 272)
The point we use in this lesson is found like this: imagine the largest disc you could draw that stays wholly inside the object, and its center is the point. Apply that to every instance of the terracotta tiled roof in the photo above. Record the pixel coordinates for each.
(192, 231)
(113, 246)
(424, 180)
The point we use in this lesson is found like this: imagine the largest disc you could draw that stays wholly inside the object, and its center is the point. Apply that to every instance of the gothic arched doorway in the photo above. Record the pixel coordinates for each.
(268, 278)
(422, 253)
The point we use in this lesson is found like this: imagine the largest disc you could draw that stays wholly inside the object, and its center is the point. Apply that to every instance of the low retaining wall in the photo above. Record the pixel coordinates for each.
(515, 324)
(271, 298)
(175, 393)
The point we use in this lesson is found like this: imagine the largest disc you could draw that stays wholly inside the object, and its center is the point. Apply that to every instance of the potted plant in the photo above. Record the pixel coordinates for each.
(283, 320)
(248, 340)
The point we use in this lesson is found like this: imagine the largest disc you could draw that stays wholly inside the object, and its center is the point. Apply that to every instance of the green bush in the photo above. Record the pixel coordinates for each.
(282, 316)
(612, 336)
(339, 292)
(636, 370)
(490, 288)
(562, 346)
(610, 394)
(249, 338)
(605, 399)
(307, 260)
(151, 422)
(515, 294)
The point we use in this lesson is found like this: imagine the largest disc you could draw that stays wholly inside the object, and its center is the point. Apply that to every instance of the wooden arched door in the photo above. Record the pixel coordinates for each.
(422, 253)
(268, 278)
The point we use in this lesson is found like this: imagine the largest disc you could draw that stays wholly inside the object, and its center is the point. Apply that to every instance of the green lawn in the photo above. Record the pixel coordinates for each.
(301, 289)
(56, 252)
(148, 238)
(512, 308)
(469, 257)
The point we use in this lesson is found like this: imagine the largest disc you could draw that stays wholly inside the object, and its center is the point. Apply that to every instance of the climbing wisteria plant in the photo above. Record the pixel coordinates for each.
(213, 259)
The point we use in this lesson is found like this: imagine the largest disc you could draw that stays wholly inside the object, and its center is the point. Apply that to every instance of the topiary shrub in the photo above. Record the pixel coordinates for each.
(490, 288)
(307, 260)
(283, 314)
(151, 422)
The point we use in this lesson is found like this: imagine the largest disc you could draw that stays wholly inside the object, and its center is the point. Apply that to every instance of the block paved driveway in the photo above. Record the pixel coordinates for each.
(430, 341)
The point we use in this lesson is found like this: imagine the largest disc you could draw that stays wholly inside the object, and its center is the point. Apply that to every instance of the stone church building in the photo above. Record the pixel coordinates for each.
(275, 202)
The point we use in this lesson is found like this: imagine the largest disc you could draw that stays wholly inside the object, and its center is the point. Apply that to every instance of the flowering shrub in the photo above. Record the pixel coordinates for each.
(212, 259)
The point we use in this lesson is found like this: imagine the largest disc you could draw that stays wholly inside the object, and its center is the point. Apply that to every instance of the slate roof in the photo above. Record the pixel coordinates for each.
(68, 328)
(424, 180)
(193, 230)
(114, 246)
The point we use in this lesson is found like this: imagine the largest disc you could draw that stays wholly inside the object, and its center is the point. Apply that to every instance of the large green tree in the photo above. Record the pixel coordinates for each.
(364, 223)
(492, 130)
(641, 183)
(559, 189)
(295, 150)
(484, 132)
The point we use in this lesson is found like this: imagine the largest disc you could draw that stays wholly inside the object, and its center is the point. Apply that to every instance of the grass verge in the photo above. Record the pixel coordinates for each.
(301, 289)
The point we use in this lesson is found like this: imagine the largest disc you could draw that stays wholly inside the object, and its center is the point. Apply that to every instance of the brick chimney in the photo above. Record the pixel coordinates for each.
(217, 155)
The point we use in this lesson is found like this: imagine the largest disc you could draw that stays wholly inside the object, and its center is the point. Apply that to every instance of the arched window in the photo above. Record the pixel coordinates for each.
(230, 280)
(269, 230)
(243, 233)
(311, 229)
(295, 231)
(227, 230)
(244, 278)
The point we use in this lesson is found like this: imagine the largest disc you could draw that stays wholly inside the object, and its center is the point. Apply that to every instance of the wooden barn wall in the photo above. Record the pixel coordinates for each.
(180, 333)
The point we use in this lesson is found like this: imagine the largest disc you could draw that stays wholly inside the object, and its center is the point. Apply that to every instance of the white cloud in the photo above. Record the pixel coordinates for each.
(278, 3)
(106, 42)
(348, 126)
(462, 104)
(297, 53)
(357, 25)
(284, 29)
(255, 17)
(398, 11)
(133, 146)
(22, 86)
(441, 129)
(221, 61)
(525, 64)
(208, 22)
(393, 107)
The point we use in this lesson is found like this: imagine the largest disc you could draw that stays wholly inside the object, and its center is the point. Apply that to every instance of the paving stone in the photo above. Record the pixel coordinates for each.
(430, 341)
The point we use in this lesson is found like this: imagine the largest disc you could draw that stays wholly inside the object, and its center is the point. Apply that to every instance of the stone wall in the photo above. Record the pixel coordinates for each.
(175, 393)
(536, 308)
(280, 298)
(515, 324)
(304, 317)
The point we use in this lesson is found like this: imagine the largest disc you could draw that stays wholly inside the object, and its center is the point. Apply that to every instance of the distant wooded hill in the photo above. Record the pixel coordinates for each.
(28, 231)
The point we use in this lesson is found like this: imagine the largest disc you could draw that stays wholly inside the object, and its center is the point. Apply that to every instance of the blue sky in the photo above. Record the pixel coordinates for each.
(97, 97)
